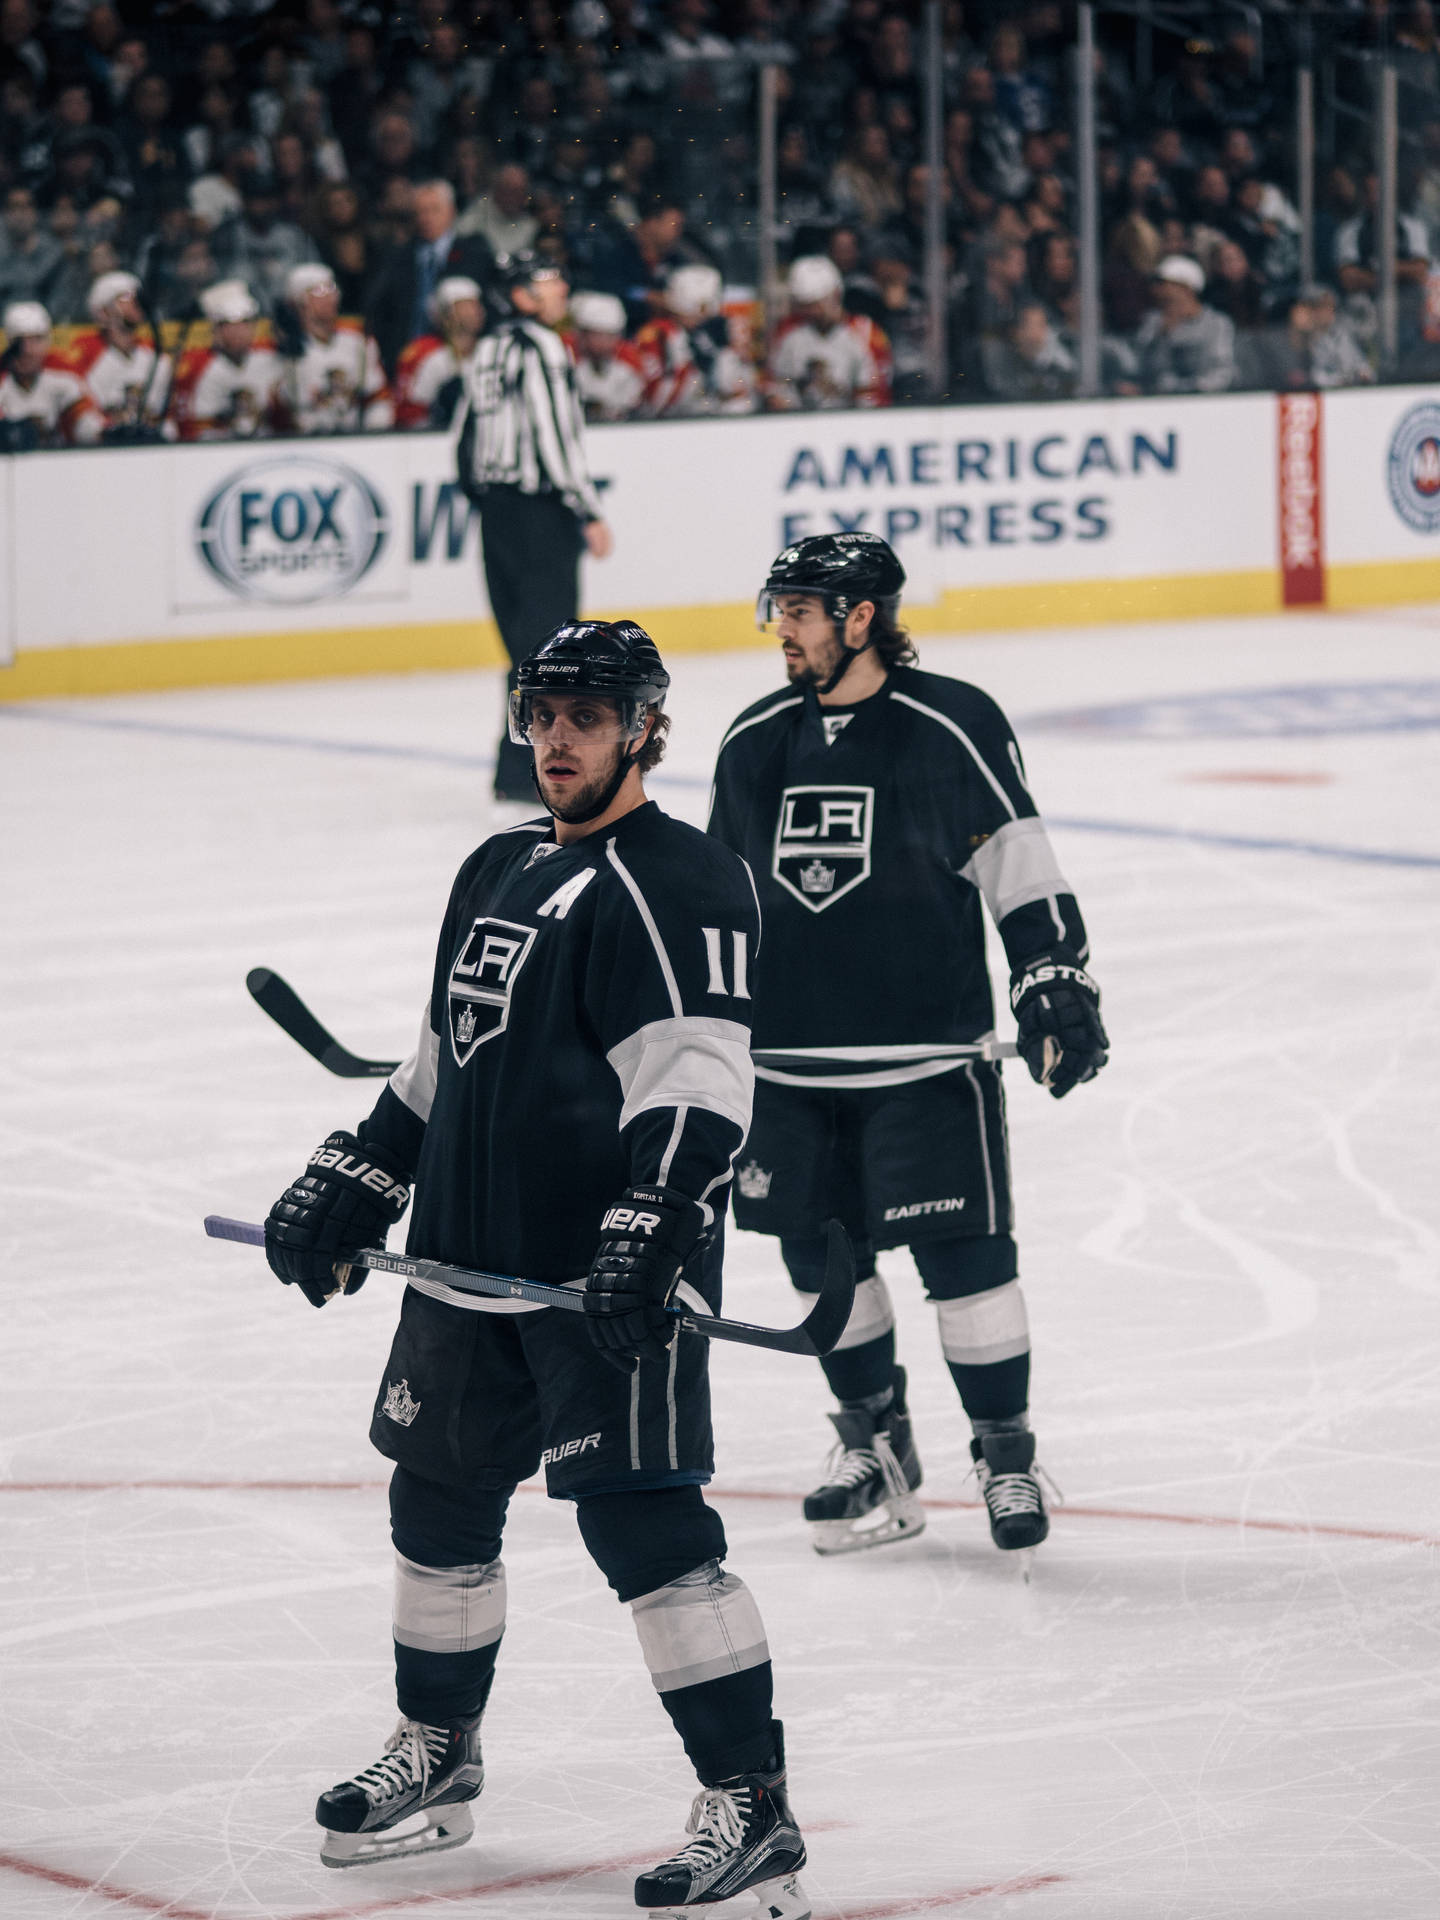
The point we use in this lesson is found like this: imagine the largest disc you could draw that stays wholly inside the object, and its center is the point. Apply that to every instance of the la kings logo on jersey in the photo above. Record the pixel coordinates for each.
(482, 981)
(822, 842)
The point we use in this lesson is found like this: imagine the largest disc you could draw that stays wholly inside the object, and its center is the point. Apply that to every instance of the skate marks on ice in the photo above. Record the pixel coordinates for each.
(1013, 1754)
(1218, 1699)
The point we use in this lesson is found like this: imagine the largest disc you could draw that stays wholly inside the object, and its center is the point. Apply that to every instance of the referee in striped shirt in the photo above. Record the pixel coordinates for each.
(522, 459)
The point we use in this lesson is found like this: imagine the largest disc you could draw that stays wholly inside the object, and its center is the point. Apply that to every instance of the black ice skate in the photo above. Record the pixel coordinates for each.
(868, 1496)
(1005, 1468)
(746, 1841)
(428, 1772)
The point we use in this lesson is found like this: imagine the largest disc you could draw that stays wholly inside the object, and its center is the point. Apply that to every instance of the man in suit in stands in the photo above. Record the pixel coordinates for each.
(398, 310)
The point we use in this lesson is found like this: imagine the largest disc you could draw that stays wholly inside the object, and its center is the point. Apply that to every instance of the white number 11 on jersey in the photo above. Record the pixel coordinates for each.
(715, 953)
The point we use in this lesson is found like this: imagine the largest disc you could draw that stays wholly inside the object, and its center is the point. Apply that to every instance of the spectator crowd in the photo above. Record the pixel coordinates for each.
(231, 217)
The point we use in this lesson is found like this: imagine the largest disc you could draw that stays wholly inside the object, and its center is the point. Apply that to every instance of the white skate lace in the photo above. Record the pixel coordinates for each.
(852, 1466)
(1008, 1494)
(717, 1819)
(890, 1466)
(408, 1759)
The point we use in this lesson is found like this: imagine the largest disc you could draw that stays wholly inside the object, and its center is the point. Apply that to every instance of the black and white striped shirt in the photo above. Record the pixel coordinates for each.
(524, 426)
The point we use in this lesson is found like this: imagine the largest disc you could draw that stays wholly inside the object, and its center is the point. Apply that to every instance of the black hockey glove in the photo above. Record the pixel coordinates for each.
(645, 1240)
(347, 1198)
(1057, 1013)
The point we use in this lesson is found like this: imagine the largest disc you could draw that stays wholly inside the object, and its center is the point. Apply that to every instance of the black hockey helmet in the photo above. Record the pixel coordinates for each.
(614, 658)
(842, 569)
(519, 269)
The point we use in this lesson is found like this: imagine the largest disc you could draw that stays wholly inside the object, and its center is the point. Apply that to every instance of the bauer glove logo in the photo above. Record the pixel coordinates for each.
(629, 1220)
(335, 1159)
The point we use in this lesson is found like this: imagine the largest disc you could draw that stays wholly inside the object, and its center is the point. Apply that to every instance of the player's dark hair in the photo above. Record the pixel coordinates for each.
(653, 751)
(891, 641)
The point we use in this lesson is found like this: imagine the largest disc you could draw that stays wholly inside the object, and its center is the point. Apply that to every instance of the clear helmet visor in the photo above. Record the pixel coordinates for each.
(615, 719)
(768, 610)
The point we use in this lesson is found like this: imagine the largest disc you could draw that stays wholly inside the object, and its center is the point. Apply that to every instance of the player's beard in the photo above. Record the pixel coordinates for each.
(576, 802)
(815, 673)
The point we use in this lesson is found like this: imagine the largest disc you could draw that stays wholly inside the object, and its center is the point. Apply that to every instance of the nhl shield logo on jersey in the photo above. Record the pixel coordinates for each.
(399, 1405)
(754, 1180)
(482, 980)
(822, 842)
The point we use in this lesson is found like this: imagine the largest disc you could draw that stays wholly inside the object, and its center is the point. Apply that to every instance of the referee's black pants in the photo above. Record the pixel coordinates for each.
(532, 544)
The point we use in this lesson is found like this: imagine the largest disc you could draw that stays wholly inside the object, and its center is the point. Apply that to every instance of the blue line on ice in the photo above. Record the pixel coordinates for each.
(483, 762)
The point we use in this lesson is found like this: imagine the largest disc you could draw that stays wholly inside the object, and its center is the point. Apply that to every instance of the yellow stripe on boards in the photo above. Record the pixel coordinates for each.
(149, 666)
(444, 646)
(1391, 583)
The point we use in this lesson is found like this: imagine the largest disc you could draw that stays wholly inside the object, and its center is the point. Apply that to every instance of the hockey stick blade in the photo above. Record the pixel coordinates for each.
(290, 1013)
(815, 1335)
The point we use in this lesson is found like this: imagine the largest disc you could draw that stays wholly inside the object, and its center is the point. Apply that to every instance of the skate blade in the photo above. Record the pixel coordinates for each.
(899, 1519)
(443, 1828)
(782, 1899)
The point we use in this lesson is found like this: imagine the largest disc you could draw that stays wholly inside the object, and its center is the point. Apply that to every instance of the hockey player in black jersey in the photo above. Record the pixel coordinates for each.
(877, 807)
(571, 1113)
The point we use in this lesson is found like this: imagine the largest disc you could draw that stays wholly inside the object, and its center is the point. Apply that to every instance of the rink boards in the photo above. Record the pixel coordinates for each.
(169, 566)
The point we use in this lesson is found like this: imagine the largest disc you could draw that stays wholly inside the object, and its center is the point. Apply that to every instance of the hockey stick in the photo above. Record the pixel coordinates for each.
(815, 1335)
(990, 1049)
(289, 1012)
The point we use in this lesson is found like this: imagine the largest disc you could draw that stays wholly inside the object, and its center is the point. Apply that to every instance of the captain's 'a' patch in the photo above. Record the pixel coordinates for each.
(822, 842)
(482, 981)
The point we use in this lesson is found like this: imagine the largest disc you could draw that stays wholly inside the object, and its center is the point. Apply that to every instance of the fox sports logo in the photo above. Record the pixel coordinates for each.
(292, 528)
(1414, 468)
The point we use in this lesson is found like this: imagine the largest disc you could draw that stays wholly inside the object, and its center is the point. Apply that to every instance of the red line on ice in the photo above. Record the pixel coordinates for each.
(82, 1883)
(1244, 1523)
(944, 1902)
(396, 1903)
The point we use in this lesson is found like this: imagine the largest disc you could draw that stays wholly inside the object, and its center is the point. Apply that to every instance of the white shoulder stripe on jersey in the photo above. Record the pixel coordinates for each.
(754, 895)
(790, 700)
(960, 734)
(693, 1061)
(413, 1081)
(757, 719)
(1015, 866)
(643, 909)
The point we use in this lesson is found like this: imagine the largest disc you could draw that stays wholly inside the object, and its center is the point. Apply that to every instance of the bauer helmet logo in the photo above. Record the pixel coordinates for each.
(292, 529)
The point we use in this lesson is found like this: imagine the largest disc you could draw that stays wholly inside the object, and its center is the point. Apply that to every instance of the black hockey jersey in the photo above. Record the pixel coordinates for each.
(874, 831)
(588, 1030)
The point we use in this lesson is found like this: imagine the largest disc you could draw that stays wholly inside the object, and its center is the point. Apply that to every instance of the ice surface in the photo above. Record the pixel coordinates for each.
(1220, 1696)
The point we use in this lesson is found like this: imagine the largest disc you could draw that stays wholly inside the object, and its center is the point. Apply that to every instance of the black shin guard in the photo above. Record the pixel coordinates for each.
(644, 1540)
(997, 1394)
(724, 1725)
(855, 1374)
(444, 1529)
